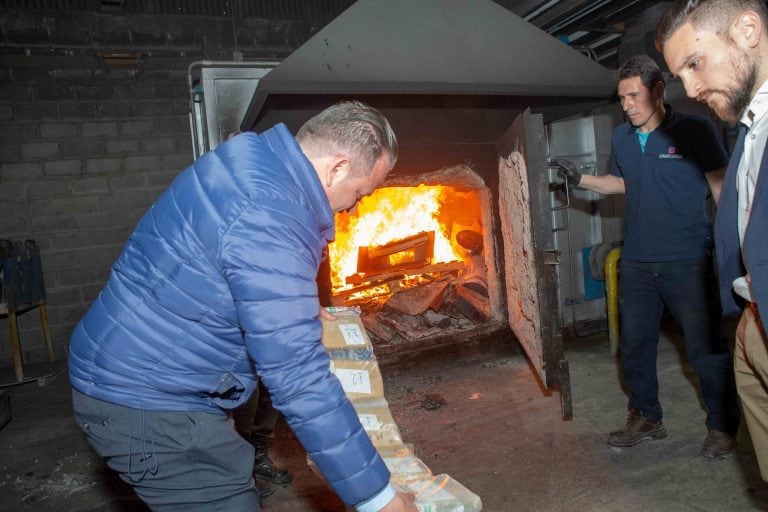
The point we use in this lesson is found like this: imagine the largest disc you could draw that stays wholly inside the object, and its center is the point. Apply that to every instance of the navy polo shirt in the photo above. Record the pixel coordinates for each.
(666, 218)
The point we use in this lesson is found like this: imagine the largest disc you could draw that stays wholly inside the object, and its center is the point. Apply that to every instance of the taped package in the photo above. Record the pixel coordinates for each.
(360, 379)
(354, 364)
(379, 424)
(404, 466)
(442, 493)
(346, 332)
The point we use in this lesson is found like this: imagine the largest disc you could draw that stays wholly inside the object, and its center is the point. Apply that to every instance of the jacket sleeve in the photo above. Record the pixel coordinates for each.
(270, 256)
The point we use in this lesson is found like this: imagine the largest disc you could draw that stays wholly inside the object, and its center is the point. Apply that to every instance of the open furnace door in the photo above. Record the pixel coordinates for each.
(530, 256)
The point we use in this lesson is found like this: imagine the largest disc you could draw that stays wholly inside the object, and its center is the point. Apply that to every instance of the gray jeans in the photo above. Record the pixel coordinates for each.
(175, 461)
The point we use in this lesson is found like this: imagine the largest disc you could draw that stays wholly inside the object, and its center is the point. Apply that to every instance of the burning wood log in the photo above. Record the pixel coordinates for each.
(415, 301)
(416, 250)
(452, 266)
(373, 325)
(474, 300)
(345, 297)
(437, 272)
(477, 302)
(411, 328)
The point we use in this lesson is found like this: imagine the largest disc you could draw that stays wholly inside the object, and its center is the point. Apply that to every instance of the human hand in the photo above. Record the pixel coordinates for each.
(402, 502)
(325, 315)
(568, 172)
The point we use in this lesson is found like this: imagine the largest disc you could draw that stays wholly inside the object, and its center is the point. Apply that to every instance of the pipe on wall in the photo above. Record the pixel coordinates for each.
(612, 297)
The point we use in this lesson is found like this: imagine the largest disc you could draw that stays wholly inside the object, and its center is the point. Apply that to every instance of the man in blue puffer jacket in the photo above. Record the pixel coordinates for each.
(217, 285)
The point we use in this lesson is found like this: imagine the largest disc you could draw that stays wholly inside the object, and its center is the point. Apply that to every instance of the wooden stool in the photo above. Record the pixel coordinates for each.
(21, 274)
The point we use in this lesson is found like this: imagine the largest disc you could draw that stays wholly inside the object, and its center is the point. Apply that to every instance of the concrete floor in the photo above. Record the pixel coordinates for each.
(499, 435)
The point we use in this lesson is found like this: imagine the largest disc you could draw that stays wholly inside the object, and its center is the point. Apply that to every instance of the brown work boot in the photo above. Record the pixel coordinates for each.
(718, 445)
(638, 429)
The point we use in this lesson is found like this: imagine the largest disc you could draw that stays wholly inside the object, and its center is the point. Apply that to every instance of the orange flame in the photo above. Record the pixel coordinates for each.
(387, 215)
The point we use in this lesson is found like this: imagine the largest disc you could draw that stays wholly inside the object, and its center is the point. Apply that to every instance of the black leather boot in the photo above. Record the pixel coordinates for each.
(265, 489)
(264, 468)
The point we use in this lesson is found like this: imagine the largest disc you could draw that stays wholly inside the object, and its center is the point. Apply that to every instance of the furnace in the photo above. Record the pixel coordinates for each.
(417, 256)
(468, 88)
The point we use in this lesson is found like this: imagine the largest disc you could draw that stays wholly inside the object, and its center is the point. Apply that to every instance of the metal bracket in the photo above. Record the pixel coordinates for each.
(551, 257)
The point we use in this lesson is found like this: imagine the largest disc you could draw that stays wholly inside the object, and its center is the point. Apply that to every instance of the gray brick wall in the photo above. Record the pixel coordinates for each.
(85, 150)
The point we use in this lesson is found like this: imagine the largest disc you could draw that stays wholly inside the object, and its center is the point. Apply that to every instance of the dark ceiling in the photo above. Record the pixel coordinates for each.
(594, 27)
(467, 48)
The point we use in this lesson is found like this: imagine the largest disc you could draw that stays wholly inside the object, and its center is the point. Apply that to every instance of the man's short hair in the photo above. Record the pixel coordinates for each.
(641, 66)
(352, 127)
(712, 15)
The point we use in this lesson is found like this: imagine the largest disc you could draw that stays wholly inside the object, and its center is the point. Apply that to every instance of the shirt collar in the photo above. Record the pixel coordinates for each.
(757, 108)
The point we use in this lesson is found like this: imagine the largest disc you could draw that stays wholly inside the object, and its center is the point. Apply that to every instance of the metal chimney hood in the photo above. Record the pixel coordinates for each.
(435, 48)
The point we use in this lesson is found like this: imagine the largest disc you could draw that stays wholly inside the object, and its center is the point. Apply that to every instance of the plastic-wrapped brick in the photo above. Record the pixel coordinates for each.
(405, 466)
(442, 493)
(354, 364)
(345, 338)
(379, 424)
(346, 331)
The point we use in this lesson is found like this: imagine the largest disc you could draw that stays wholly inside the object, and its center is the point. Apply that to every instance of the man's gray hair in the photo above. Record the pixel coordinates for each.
(353, 127)
(712, 15)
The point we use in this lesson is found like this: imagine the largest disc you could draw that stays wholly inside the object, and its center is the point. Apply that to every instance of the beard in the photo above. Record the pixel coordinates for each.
(738, 93)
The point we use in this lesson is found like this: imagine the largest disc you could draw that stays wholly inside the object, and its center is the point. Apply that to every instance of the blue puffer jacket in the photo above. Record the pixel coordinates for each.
(222, 267)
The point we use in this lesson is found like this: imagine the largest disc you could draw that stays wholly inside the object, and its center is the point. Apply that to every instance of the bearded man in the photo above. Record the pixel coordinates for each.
(719, 49)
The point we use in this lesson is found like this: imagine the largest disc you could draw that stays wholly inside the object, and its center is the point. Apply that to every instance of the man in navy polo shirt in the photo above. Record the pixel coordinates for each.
(667, 163)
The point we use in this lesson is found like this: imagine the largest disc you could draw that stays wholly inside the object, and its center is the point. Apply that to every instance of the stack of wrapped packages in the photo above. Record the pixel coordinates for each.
(354, 364)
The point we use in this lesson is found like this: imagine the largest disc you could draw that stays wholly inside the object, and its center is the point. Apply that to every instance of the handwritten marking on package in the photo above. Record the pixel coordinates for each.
(354, 381)
(370, 422)
(352, 334)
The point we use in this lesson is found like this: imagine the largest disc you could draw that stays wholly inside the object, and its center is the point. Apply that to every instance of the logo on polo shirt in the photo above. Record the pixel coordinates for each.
(671, 153)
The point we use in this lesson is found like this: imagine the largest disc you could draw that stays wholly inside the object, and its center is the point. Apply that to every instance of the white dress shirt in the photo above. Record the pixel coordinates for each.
(755, 118)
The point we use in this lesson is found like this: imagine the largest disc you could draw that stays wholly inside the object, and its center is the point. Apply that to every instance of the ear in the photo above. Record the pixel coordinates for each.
(658, 90)
(339, 169)
(747, 29)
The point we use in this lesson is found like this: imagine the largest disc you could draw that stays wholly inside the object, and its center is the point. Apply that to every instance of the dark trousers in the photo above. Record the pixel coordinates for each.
(175, 461)
(689, 290)
(256, 419)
